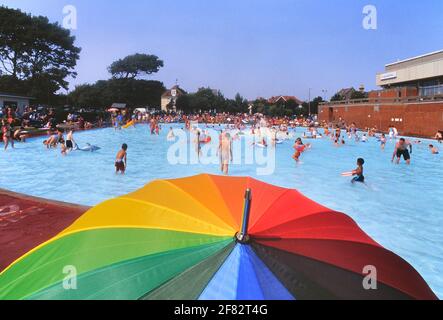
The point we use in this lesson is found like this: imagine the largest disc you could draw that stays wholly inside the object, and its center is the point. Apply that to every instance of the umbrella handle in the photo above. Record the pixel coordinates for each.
(243, 236)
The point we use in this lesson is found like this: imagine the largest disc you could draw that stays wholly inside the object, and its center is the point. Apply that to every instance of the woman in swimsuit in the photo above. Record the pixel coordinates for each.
(6, 131)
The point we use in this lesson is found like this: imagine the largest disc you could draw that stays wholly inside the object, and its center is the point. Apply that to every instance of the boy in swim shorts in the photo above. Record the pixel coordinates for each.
(357, 173)
(121, 160)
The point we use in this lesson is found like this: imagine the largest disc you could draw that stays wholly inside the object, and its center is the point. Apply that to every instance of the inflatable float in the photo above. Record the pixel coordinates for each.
(208, 139)
(129, 124)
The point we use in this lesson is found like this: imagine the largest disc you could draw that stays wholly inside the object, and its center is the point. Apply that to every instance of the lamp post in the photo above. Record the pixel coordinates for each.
(309, 103)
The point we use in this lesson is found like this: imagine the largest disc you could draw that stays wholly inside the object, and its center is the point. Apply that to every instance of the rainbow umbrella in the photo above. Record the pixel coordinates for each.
(210, 237)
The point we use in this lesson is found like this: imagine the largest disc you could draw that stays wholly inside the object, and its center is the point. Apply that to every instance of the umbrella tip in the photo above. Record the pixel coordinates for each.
(242, 238)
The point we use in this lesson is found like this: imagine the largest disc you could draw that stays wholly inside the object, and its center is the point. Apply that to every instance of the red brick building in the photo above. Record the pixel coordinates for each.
(411, 99)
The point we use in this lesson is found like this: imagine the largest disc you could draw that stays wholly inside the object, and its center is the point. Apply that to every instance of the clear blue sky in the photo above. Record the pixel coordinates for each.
(255, 47)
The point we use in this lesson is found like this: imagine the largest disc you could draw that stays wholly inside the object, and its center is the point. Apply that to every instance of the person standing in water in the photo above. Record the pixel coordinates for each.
(70, 142)
(121, 160)
(401, 149)
(7, 137)
(383, 141)
(357, 173)
(225, 149)
(433, 149)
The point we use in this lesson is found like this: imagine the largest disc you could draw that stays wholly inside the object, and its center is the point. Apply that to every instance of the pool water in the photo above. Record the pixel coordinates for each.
(400, 206)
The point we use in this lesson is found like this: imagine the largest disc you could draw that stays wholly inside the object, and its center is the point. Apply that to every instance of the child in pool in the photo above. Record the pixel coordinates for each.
(434, 150)
(358, 172)
(299, 148)
(121, 160)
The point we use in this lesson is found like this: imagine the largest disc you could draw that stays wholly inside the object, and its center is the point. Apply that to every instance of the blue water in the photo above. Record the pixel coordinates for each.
(400, 206)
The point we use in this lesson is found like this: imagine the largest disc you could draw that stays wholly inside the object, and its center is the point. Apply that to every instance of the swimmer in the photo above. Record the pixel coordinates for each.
(383, 141)
(401, 149)
(299, 148)
(19, 135)
(64, 149)
(358, 173)
(121, 160)
(434, 150)
(364, 138)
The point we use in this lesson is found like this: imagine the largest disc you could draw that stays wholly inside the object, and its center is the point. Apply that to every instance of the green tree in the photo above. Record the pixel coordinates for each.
(135, 65)
(359, 95)
(37, 52)
(135, 93)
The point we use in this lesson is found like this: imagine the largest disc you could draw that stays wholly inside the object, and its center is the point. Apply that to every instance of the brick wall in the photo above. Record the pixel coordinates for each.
(416, 119)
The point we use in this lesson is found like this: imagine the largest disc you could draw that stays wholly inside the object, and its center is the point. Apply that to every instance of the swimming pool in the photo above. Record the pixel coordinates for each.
(400, 207)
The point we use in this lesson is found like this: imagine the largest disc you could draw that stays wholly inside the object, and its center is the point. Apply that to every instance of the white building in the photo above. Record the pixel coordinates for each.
(14, 101)
(169, 98)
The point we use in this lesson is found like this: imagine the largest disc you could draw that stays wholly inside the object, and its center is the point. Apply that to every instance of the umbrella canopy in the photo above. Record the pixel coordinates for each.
(211, 237)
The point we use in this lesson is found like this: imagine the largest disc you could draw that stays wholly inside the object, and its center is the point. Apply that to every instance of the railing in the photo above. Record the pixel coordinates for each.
(431, 91)
(380, 100)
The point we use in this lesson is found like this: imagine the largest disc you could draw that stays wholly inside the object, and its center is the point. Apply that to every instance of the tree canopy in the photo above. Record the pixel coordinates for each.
(135, 65)
(135, 93)
(35, 55)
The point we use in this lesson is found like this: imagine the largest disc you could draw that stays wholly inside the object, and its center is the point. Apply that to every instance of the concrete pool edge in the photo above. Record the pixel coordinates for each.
(27, 221)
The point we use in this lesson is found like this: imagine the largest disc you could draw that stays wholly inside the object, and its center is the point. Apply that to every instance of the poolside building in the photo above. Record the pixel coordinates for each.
(284, 99)
(14, 101)
(169, 98)
(410, 99)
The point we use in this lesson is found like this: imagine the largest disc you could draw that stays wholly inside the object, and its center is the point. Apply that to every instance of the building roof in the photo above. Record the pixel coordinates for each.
(168, 93)
(275, 99)
(119, 105)
(415, 58)
(413, 70)
(346, 93)
(14, 96)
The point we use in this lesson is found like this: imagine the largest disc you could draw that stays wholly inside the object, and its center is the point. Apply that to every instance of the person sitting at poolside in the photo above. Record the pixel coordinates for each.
(434, 150)
(121, 159)
(401, 149)
(439, 136)
(19, 135)
(358, 173)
